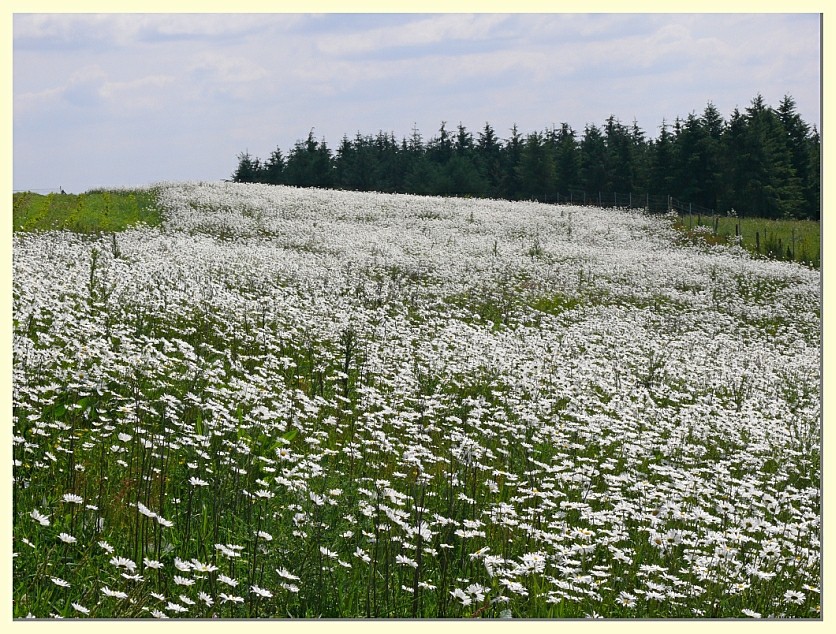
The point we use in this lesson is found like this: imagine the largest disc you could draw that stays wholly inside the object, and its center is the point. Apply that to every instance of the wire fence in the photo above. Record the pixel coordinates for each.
(653, 203)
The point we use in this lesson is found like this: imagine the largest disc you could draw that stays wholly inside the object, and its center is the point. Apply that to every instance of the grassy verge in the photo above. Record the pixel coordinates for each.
(91, 212)
(791, 240)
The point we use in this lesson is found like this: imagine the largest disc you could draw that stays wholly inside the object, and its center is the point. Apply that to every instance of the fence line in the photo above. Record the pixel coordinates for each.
(653, 203)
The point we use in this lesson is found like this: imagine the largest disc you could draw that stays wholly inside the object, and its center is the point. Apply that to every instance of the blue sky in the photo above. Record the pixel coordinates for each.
(131, 99)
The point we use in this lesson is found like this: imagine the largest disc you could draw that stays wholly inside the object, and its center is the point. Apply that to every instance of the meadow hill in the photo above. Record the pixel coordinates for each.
(273, 401)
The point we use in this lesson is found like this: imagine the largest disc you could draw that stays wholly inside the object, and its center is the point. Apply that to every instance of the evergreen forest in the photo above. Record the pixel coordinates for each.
(762, 162)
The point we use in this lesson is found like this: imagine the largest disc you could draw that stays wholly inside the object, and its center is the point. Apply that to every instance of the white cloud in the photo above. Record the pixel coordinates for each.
(124, 29)
(431, 30)
(223, 68)
(138, 93)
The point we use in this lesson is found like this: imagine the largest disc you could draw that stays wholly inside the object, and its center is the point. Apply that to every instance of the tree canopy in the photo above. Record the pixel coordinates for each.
(763, 162)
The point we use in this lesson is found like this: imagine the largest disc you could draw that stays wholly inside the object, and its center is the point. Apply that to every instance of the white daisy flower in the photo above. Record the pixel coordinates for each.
(113, 593)
(227, 580)
(123, 562)
(39, 517)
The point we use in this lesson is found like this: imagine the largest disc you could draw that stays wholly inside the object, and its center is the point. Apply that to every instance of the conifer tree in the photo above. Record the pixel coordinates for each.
(511, 155)
(247, 170)
(567, 160)
(536, 168)
(273, 169)
(594, 161)
(488, 152)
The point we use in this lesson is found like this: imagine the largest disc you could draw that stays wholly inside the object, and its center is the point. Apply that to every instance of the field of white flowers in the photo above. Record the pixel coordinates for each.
(288, 402)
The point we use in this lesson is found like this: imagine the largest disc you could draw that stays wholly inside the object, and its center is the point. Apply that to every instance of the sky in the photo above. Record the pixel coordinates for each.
(108, 100)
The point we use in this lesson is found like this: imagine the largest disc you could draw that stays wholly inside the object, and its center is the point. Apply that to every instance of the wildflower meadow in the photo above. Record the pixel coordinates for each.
(278, 402)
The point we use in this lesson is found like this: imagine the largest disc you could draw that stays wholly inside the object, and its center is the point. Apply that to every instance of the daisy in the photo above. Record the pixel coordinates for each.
(72, 498)
(60, 582)
(201, 567)
(514, 586)
(478, 591)
(793, 596)
(66, 538)
(261, 592)
(234, 599)
(461, 595)
(284, 573)
(42, 519)
(123, 562)
(183, 566)
(227, 580)
(361, 554)
(113, 593)
(145, 510)
(406, 561)
(80, 608)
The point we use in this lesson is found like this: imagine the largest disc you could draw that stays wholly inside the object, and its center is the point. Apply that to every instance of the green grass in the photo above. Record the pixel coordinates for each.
(92, 212)
(792, 240)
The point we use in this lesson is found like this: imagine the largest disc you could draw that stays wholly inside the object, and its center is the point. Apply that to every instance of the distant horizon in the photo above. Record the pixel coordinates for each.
(109, 100)
(450, 128)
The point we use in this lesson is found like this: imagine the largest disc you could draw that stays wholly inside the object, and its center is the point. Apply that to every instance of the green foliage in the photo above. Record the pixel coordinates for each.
(793, 240)
(763, 162)
(92, 212)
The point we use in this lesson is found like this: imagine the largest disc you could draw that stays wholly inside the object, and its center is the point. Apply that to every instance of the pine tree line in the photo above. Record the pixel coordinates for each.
(762, 162)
